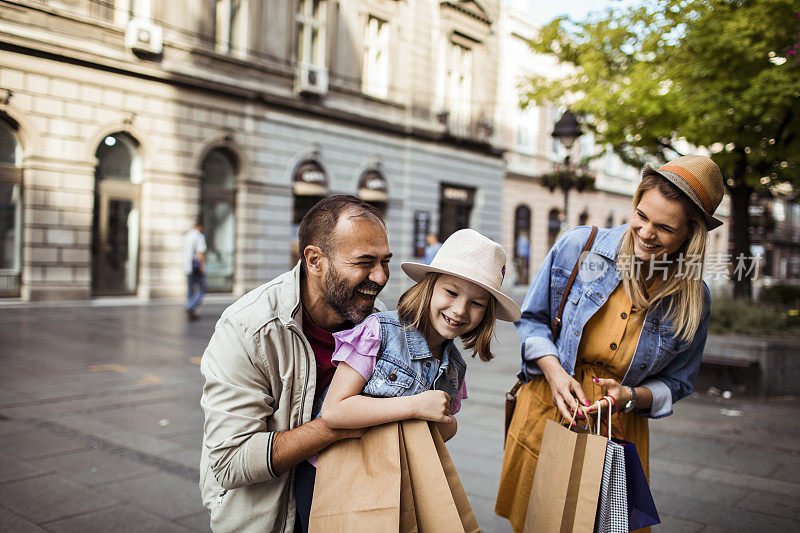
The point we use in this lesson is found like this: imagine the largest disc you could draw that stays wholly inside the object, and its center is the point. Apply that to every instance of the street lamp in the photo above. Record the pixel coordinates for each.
(567, 130)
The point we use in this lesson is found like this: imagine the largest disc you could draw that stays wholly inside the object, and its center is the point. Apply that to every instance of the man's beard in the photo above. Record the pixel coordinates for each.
(343, 299)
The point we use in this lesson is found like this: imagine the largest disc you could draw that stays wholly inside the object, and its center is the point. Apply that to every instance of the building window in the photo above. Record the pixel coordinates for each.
(553, 226)
(311, 33)
(458, 88)
(372, 189)
(218, 213)
(610, 220)
(10, 211)
(375, 61)
(522, 242)
(123, 10)
(583, 218)
(455, 207)
(231, 27)
(527, 126)
(310, 186)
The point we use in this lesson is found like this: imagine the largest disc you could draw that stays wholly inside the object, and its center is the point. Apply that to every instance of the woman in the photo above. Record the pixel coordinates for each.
(634, 325)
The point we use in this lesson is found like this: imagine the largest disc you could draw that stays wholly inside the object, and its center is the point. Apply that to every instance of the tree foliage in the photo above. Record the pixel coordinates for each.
(654, 80)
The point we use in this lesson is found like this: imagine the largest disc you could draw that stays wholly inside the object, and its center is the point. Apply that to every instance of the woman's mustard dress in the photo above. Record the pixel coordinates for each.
(606, 350)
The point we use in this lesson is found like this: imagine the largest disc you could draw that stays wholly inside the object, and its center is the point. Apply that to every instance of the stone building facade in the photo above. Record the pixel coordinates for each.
(121, 122)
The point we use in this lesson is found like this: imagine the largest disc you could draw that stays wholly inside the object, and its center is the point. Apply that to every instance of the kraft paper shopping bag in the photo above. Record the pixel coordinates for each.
(358, 484)
(566, 485)
(435, 507)
(408, 514)
(456, 488)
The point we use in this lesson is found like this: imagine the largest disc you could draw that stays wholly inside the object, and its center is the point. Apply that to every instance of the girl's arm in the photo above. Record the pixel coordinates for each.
(346, 408)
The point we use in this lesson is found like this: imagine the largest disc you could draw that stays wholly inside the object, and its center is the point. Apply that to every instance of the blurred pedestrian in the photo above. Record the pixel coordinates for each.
(432, 246)
(194, 264)
(634, 323)
(523, 249)
(269, 362)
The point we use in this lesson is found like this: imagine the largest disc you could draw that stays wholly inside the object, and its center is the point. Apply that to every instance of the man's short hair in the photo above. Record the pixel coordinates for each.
(318, 224)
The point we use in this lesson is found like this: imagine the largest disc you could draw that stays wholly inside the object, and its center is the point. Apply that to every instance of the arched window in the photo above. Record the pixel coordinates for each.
(218, 213)
(310, 186)
(372, 189)
(553, 226)
(583, 218)
(610, 220)
(522, 242)
(115, 229)
(10, 210)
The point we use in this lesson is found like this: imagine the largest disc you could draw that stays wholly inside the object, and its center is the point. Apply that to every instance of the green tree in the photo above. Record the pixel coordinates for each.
(657, 79)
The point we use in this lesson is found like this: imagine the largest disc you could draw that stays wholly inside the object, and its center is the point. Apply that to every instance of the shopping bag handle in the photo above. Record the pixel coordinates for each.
(609, 400)
(599, 403)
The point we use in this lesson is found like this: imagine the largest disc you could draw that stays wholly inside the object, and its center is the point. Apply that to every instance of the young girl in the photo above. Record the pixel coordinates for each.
(404, 364)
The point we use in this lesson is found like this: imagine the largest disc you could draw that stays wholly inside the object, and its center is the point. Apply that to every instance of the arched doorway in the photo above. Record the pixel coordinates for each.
(10, 208)
(115, 228)
(218, 213)
(583, 218)
(522, 242)
(310, 186)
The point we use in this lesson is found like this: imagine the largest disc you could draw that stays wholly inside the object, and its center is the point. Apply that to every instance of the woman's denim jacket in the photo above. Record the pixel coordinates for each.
(665, 365)
(406, 366)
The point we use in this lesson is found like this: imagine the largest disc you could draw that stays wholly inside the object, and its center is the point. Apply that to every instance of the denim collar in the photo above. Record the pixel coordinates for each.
(608, 242)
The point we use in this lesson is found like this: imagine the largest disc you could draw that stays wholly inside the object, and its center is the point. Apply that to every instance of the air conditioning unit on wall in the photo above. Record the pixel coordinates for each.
(310, 79)
(143, 37)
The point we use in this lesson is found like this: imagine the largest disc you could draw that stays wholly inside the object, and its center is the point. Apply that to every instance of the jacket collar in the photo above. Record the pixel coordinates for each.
(608, 242)
(289, 298)
(418, 349)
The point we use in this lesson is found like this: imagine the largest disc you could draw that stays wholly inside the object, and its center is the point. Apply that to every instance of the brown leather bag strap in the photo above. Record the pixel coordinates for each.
(555, 327)
(511, 396)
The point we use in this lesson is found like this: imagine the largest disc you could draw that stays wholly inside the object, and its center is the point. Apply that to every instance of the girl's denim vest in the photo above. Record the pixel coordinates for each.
(406, 366)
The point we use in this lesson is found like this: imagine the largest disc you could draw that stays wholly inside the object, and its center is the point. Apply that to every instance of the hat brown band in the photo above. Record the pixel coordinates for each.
(693, 182)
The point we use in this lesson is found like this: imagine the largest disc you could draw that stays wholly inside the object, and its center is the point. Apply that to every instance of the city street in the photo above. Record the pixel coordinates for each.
(100, 430)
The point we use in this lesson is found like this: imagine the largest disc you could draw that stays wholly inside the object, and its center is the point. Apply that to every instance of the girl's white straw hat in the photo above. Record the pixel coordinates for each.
(469, 255)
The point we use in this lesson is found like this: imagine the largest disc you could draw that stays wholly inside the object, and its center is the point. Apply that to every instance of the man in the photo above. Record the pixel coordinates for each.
(194, 264)
(269, 362)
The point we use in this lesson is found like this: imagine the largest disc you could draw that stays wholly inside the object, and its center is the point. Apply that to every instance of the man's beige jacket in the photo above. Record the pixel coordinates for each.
(260, 377)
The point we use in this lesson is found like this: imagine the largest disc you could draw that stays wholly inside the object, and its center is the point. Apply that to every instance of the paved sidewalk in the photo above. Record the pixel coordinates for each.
(100, 429)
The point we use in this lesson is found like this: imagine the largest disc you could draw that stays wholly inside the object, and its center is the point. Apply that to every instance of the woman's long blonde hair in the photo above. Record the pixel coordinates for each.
(683, 279)
(414, 309)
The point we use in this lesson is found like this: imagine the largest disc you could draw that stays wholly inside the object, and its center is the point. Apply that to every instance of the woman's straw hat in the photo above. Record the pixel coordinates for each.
(469, 255)
(700, 178)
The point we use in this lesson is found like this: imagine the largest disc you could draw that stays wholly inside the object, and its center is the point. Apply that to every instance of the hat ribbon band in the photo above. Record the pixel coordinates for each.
(693, 182)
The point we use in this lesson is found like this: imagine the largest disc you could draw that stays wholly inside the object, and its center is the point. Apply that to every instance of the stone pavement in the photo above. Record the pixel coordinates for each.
(100, 429)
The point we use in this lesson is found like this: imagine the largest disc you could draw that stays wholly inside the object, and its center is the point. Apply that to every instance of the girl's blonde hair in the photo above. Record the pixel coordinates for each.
(414, 309)
(686, 306)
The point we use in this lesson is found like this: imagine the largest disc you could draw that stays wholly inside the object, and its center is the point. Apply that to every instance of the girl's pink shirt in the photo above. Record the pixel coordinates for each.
(358, 347)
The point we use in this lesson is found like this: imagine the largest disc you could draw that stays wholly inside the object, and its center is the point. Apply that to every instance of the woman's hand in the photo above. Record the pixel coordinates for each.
(620, 393)
(568, 396)
(433, 405)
